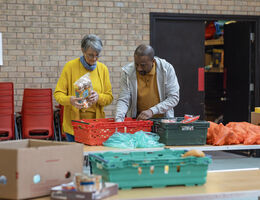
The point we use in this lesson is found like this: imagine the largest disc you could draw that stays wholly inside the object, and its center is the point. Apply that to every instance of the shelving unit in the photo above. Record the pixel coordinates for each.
(219, 41)
(214, 56)
(215, 69)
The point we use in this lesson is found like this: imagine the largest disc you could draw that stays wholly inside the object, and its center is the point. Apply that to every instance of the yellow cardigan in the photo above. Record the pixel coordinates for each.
(71, 72)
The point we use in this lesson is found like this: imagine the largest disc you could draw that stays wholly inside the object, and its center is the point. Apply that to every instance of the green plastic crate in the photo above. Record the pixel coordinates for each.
(177, 134)
(150, 169)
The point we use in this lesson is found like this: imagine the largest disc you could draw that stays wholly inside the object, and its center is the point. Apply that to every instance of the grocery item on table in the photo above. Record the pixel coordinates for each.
(88, 183)
(190, 118)
(83, 88)
(174, 120)
(194, 152)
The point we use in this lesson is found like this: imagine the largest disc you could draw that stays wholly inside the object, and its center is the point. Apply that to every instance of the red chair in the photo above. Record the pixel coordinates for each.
(37, 114)
(8, 128)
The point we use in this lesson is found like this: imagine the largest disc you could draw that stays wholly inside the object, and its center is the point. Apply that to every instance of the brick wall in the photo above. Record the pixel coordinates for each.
(40, 36)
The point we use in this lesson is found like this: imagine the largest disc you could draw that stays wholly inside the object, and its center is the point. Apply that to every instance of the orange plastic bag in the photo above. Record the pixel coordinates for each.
(233, 133)
(226, 136)
(212, 131)
(240, 129)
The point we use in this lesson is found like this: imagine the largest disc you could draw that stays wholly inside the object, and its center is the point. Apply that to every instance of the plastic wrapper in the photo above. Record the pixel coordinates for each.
(83, 88)
(190, 119)
(139, 139)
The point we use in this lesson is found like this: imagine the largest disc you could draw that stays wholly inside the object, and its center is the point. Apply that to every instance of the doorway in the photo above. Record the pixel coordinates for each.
(218, 76)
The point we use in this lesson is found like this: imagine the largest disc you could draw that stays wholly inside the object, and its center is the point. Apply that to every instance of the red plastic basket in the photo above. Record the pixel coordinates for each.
(96, 131)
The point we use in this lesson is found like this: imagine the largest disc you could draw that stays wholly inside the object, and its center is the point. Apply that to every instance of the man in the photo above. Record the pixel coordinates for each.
(149, 87)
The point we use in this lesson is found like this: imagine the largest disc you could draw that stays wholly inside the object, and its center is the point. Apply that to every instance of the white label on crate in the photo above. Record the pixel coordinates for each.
(99, 166)
(187, 128)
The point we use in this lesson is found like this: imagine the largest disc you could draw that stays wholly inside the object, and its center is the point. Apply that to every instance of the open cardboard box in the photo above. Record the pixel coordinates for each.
(30, 168)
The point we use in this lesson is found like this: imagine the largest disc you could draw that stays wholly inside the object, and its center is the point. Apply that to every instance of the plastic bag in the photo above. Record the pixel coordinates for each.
(147, 139)
(139, 139)
(83, 87)
(121, 140)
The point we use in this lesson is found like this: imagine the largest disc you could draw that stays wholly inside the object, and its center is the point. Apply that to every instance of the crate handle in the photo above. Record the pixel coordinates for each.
(82, 122)
(98, 158)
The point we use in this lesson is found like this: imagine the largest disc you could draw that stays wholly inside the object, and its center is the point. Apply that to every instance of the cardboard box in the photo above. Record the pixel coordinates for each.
(255, 118)
(30, 168)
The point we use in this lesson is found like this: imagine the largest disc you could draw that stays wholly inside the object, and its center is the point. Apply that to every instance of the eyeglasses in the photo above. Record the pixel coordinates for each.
(91, 56)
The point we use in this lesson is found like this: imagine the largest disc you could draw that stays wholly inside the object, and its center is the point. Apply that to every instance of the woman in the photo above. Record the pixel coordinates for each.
(101, 96)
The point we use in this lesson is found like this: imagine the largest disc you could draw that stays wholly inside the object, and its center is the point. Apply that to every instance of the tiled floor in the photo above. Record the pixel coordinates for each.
(225, 161)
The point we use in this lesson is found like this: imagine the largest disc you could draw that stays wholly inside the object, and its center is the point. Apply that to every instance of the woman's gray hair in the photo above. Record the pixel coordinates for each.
(91, 41)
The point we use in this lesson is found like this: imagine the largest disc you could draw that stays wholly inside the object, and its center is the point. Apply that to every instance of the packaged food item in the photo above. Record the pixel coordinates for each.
(190, 118)
(88, 183)
(174, 120)
(194, 152)
(83, 88)
(68, 187)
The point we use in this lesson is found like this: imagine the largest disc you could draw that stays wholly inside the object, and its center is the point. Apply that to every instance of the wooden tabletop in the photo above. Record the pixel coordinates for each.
(219, 185)
(94, 149)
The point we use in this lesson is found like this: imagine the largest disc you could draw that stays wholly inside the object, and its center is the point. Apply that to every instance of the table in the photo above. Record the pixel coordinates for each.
(99, 149)
(219, 185)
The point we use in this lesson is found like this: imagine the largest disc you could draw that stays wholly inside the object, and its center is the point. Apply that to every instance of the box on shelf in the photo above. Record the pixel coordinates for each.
(108, 190)
(208, 59)
(97, 131)
(177, 133)
(150, 169)
(30, 168)
(255, 118)
(218, 57)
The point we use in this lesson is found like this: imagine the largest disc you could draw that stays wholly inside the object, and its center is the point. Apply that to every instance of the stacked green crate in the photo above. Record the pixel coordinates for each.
(153, 169)
(178, 133)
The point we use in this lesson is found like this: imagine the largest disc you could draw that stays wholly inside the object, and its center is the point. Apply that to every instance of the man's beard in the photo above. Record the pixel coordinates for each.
(142, 73)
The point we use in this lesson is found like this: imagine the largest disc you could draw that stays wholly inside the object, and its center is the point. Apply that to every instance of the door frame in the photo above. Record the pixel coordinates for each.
(210, 17)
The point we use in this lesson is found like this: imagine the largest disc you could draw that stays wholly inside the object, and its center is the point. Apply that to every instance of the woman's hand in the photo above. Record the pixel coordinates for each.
(77, 102)
(93, 97)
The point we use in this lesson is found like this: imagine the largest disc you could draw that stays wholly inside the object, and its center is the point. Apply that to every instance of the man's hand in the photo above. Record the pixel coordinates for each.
(146, 114)
(93, 97)
(77, 102)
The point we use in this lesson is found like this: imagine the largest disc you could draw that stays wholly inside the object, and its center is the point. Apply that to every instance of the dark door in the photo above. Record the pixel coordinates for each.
(237, 61)
(181, 42)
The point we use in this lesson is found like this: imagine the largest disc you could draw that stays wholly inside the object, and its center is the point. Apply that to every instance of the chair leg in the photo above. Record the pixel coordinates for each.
(54, 129)
(57, 120)
(16, 130)
(59, 130)
(19, 127)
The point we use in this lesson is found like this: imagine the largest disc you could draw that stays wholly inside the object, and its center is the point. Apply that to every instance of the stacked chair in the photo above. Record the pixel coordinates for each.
(8, 128)
(37, 114)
